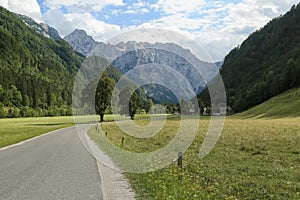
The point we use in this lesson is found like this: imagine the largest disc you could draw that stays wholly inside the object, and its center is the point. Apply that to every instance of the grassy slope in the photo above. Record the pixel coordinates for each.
(19, 129)
(254, 159)
(284, 105)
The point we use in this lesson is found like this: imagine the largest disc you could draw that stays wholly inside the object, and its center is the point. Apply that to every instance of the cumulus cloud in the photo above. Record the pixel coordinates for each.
(89, 5)
(242, 19)
(58, 20)
(217, 26)
(66, 23)
(175, 7)
(26, 7)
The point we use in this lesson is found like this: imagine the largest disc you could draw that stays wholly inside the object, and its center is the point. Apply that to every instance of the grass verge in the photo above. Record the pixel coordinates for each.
(15, 130)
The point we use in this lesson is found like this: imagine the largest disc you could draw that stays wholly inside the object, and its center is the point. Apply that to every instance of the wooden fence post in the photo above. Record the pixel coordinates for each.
(122, 141)
(179, 160)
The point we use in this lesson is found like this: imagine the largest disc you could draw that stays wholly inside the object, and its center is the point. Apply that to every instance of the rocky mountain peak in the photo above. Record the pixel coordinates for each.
(81, 41)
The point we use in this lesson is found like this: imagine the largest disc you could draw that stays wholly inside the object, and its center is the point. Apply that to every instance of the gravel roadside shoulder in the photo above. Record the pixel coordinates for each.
(114, 183)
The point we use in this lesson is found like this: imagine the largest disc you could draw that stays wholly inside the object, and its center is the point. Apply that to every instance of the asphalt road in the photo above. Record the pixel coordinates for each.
(54, 166)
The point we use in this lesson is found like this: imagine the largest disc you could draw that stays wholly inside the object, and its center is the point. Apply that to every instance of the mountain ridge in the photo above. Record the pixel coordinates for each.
(133, 54)
(42, 28)
(81, 42)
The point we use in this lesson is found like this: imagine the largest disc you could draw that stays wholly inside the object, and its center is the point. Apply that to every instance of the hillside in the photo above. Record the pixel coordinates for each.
(283, 105)
(35, 71)
(41, 28)
(266, 64)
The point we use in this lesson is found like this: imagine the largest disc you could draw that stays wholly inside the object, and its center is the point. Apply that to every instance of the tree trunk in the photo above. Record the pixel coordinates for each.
(132, 115)
(101, 117)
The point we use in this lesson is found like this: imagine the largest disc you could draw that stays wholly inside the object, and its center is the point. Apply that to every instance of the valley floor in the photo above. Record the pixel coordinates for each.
(253, 159)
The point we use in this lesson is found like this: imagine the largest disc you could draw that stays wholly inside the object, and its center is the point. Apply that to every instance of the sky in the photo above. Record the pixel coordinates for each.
(216, 26)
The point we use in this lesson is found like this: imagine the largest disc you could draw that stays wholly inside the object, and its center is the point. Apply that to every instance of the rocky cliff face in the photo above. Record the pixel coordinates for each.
(81, 42)
(41, 28)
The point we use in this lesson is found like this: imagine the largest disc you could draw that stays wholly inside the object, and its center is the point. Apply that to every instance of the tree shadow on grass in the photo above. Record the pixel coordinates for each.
(49, 124)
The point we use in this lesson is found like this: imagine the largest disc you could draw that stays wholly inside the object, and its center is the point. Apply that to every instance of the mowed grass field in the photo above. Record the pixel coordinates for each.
(14, 130)
(253, 159)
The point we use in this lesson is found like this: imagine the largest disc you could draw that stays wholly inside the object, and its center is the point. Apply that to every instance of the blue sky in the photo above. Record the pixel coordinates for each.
(218, 26)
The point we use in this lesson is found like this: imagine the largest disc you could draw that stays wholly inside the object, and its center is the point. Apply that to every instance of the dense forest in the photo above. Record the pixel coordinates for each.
(267, 63)
(36, 72)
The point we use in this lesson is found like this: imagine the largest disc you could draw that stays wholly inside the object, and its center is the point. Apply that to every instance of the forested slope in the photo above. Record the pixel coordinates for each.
(266, 64)
(36, 73)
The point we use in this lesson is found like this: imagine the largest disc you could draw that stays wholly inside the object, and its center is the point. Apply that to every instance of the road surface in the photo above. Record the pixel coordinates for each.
(53, 166)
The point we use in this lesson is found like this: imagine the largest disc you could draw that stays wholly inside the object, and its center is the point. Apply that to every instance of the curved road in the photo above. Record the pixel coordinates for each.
(53, 166)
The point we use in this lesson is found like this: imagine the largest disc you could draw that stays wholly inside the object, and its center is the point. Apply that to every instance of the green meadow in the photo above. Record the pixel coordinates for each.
(253, 159)
(286, 104)
(14, 130)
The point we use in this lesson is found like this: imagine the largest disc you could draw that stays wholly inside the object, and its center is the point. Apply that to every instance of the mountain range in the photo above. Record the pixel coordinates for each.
(126, 56)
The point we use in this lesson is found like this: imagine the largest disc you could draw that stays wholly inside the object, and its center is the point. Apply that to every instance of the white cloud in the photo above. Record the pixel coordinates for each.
(88, 5)
(58, 20)
(69, 22)
(4, 3)
(241, 20)
(175, 7)
(140, 7)
(144, 10)
(140, 4)
(221, 26)
(26, 7)
(129, 12)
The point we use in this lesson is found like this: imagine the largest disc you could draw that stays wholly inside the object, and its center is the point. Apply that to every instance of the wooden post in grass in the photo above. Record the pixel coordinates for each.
(122, 141)
(179, 160)
(179, 164)
(97, 127)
